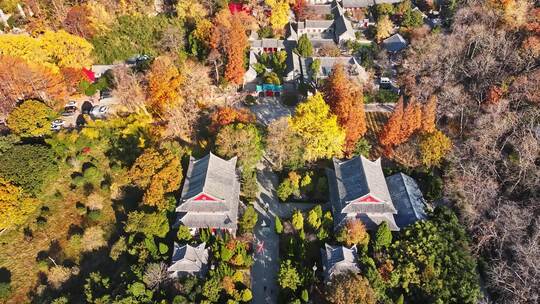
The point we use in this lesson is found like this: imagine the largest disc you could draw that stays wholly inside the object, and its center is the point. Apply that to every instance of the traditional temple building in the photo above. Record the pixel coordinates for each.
(359, 190)
(210, 195)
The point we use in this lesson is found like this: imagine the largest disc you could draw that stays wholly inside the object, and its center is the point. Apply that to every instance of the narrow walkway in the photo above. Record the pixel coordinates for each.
(266, 266)
(379, 107)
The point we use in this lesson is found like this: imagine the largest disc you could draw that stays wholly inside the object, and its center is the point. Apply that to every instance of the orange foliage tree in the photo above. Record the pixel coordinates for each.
(228, 115)
(20, 80)
(72, 77)
(390, 134)
(412, 120)
(235, 51)
(164, 81)
(230, 40)
(429, 114)
(346, 102)
(405, 120)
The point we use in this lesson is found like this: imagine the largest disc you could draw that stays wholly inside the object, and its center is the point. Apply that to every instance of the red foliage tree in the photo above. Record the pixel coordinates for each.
(299, 8)
(346, 101)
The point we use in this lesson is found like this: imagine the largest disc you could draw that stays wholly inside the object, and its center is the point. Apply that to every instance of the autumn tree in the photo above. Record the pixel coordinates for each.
(434, 147)
(227, 115)
(190, 11)
(157, 172)
(235, 52)
(318, 128)
(384, 28)
(346, 101)
(15, 206)
(284, 147)
(240, 140)
(403, 123)
(31, 119)
(128, 90)
(353, 233)
(66, 50)
(164, 81)
(77, 21)
(280, 13)
(20, 80)
(412, 120)
(429, 114)
(345, 288)
(299, 9)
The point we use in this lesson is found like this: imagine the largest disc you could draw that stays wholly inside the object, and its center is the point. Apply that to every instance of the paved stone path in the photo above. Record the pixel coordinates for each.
(266, 266)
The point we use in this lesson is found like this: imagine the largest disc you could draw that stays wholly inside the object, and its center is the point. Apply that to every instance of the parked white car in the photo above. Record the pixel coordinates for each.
(99, 111)
(57, 124)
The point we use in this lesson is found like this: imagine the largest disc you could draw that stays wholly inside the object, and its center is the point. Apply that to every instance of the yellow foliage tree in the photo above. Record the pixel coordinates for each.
(66, 50)
(25, 47)
(191, 11)
(433, 148)
(384, 28)
(15, 206)
(52, 49)
(318, 128)
(353, 233)
(157, 173)
(280, 13)
(164, 81)
(100, 19)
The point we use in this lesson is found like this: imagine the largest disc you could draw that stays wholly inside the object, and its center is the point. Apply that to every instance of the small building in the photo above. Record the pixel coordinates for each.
(394, 43)
(188, 260)
(407, 198)
(339, 260)
(210, 195)
(358, 190)
(351, 65)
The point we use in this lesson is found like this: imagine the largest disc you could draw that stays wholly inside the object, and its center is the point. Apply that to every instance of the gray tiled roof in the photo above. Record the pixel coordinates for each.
(357, 3)
(394, 43)
(308, 24)
(387, 1)
(267, 43)
(187, 259)
(215, 177)
(339, 259)
(407, 198)
(354, 179)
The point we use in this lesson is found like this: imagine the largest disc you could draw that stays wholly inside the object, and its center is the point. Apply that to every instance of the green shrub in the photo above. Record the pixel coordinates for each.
(28, 166)
(94, 215)
(5, 290)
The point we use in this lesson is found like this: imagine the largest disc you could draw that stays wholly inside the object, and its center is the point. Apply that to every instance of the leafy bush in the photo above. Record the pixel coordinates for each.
(28, 166)
(249, 219)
